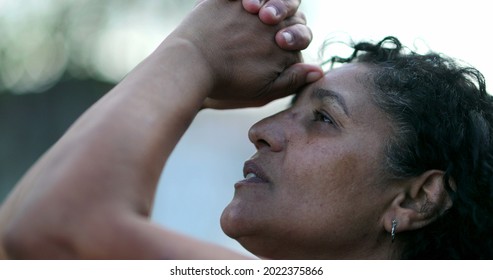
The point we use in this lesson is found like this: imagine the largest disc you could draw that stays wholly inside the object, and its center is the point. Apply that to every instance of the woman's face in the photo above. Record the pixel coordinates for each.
(315, 188)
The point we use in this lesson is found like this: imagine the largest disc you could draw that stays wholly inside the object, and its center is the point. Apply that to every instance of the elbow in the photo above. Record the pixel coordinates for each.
(25, 242)
(53, 239)
(15, 244)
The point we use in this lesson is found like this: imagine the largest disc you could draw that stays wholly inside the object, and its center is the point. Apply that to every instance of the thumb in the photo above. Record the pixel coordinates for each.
(294, 78)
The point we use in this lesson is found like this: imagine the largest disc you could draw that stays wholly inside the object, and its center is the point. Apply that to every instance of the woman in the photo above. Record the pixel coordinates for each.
(389, 156)
(385, 157)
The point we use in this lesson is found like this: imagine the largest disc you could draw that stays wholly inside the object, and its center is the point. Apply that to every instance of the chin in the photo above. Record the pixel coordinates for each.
(230, 223)
(246, 231)
(237, 222)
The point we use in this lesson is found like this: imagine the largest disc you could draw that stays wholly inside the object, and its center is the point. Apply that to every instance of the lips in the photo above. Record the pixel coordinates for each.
(253, 174)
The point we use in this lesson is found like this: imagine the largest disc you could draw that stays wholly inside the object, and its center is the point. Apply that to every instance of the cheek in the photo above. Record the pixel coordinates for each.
(328, 189)
(328, 174)
(309, 171)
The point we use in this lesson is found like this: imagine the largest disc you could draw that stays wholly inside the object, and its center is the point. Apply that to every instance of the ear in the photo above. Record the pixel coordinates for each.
(422, 200)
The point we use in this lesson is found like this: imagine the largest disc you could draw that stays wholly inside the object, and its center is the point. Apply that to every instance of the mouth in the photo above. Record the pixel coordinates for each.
(253, 175)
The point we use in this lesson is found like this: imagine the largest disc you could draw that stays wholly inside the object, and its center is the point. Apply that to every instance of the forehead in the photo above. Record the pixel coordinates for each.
(351, 84)
(350, 81)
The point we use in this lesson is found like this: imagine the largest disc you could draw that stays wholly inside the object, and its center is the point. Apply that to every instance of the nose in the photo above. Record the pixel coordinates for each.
(269, 133)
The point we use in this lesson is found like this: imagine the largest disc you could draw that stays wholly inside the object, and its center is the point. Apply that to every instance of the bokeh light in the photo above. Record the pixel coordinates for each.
(42, 41)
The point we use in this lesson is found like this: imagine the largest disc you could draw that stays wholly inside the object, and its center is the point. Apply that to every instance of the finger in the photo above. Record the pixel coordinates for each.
(275, 11)
(294, 78)
(294, 38)
(210, 103)
(252, 6)
(289, 82)
(299, 17)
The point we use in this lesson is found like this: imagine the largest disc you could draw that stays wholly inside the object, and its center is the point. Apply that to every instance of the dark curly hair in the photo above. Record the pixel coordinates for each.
(444, 120)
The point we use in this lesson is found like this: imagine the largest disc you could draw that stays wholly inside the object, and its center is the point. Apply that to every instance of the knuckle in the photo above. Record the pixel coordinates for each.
(302, 35)
(293, 81)
(301, 17)
(286, 8)
(292, 6)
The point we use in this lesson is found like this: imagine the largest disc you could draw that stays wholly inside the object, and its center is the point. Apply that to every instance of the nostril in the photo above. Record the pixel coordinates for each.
(261, 143)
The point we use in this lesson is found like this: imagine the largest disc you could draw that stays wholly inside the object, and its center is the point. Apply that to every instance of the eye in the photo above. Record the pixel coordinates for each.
(322, 117)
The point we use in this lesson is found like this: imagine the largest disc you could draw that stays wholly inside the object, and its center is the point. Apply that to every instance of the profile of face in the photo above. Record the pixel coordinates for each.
(316, 187)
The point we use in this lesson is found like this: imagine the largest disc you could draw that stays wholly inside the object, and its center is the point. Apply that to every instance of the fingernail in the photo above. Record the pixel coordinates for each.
(313, 76)
(272, 10)
(288, 37)
(256, 2)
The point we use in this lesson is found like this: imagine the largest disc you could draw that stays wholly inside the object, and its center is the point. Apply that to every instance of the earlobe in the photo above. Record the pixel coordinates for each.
(422, 200)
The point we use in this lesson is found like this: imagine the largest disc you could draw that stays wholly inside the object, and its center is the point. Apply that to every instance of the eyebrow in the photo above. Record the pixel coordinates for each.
(322, 93)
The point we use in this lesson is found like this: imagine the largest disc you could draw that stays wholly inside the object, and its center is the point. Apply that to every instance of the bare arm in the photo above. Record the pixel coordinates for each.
(91, 194)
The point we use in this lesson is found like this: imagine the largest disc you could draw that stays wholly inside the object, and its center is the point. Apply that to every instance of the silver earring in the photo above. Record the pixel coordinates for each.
(394, 226)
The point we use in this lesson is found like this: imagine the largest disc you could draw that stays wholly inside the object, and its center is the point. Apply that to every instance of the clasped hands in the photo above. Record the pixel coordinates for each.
(252, 49)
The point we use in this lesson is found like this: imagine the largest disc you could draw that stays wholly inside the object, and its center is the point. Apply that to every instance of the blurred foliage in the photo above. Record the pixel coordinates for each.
(70, 52)
(41, 41)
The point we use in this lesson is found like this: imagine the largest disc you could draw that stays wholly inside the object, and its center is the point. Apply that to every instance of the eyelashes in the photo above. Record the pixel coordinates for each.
(319, 116)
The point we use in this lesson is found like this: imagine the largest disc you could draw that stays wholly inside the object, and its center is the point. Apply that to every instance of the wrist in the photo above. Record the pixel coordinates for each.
(182, 63)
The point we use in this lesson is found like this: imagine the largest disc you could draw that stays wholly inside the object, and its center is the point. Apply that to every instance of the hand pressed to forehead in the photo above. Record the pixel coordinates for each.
(248, 60)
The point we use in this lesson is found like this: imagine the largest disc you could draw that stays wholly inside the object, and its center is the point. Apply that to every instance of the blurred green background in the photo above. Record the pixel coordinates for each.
(59, 56)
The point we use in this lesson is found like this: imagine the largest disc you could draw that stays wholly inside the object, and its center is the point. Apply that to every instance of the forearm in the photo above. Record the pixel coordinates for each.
(138, 124)
(112, 157)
